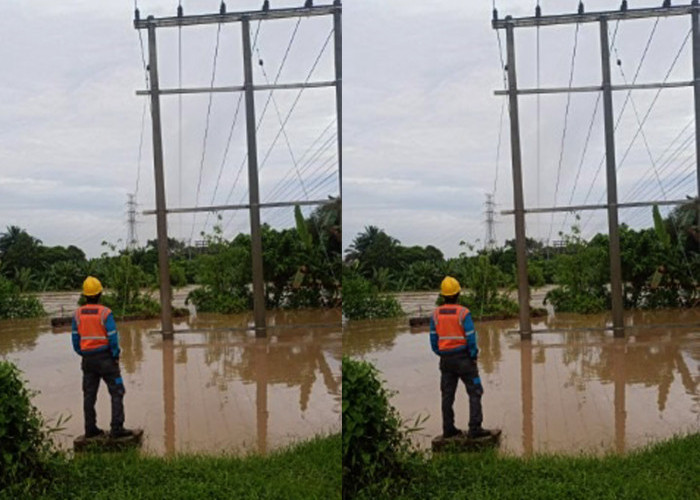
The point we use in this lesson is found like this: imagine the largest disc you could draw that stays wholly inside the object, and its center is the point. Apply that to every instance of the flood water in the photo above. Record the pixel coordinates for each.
(572, 391)
(209, 390)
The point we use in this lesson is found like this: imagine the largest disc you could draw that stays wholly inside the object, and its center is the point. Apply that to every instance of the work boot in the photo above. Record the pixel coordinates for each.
(478, 432)
(121, 432)
(92, 433)
(454, 432)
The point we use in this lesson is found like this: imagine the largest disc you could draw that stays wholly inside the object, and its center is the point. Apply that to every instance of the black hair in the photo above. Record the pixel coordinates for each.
(451, 299)
(93, 299)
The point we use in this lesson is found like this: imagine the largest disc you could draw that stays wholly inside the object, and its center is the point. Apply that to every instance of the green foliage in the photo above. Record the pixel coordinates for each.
(27, 456)
(663, 470)
(309, 470)
(376, 450)
(14, 304)
(362, 300)
(582, 273)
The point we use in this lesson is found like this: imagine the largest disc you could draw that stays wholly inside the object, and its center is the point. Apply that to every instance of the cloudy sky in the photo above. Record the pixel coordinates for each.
(70, 126)
(421, 123)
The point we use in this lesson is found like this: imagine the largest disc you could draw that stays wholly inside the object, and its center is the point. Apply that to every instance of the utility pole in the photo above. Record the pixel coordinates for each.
(166, 306)
(518, 201)
(509, 24)
(131, 238)
(249, 88)
(490, 240)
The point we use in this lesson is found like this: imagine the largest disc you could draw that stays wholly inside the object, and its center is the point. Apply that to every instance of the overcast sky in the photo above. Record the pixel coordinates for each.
(70, 125)
(421, 123)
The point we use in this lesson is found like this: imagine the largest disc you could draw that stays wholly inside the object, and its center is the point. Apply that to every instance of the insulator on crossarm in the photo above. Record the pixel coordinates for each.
(222, 8)
(666, 4)
(179, 11)
(266, 5)
(580, 7)
(623, 7)
(137, 15)
(694, 3)
(495, 14)
(309, 3)
(336, 3)
(538, 11)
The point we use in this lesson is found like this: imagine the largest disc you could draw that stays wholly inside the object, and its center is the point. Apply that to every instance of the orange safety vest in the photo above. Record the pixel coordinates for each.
(449, 326)
(90, 320)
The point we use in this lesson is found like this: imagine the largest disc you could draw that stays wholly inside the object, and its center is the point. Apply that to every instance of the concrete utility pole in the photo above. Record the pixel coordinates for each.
(509, 24)
(518, 201)
(254, 205)
(253, 192)
(166, 306)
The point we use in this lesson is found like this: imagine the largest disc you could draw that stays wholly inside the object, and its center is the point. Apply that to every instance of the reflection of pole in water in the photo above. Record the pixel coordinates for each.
(261, 392)
(169, 395)
(526, 394)
(620, 376)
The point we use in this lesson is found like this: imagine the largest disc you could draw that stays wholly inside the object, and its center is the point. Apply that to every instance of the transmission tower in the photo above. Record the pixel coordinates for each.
(131, 239)
(490, 240)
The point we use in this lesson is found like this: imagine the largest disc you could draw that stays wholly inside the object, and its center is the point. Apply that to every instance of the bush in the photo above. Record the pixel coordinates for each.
(361, 300)
(13, 304)
(27, 455)
(376, 451)
(206, 299)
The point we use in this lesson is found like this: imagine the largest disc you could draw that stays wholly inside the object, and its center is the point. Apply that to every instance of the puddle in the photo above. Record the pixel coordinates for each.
(208, 390)
(560, 392)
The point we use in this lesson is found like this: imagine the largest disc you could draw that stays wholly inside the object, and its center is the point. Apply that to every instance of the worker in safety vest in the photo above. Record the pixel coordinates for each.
(453, 338)
(96, 339)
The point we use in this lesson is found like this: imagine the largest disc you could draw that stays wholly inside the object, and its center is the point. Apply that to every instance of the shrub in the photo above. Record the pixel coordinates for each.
(361, 300)
(27, 455)
(13, 304)
(376, 451)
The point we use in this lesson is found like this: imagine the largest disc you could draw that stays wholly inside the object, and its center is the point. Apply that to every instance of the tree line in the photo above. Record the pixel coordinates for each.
(302, 267)
(660, 267)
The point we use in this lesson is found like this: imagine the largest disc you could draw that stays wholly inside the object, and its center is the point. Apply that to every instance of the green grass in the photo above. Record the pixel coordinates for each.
(666, 470)
(308, 470)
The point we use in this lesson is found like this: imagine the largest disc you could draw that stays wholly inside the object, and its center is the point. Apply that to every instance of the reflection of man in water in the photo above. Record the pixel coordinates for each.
(453, 338)
(95, 338)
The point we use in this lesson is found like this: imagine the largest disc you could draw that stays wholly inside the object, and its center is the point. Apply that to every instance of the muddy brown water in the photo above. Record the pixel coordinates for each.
(209, 390)
(571, 390)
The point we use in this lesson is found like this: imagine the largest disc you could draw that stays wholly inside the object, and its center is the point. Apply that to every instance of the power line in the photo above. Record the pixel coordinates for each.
(206, 127)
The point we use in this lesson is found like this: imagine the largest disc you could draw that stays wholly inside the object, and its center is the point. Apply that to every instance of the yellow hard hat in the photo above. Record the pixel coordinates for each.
(91, 286)
(449, 286)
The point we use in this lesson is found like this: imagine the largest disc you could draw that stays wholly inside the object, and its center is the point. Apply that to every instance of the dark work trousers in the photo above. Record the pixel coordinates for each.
(454, 367)
(96, 367)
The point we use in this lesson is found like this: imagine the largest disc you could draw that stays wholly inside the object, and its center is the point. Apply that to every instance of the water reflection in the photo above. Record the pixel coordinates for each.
(206, 390)
(563, 390)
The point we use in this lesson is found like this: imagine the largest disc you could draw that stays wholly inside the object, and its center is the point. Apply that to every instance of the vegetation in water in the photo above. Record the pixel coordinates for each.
(376, 451)
(27, 456)
(14, 304)
(362, 300)
(660, 267)
(302, 267)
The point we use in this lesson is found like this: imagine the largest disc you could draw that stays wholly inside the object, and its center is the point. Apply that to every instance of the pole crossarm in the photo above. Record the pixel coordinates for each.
(599, 88)
(234, 17)
(580, 208)
(246, 206)
(241, 88)
(592, 17)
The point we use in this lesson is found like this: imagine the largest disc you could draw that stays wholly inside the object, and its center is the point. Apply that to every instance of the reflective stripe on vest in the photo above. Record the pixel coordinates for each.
(449, 326)
(90, 320)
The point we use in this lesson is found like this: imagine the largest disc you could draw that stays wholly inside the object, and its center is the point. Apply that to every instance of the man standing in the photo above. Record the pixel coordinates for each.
(95, 338)
(453, 338)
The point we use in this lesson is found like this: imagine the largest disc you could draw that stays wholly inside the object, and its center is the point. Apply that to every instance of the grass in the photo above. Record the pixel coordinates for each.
(309, 470)
(665, 470)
